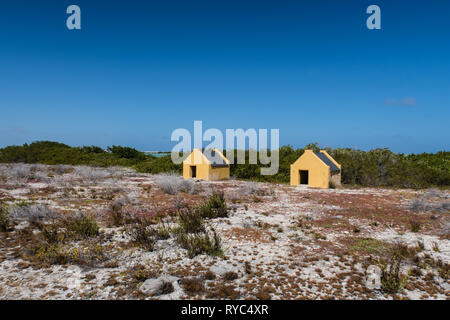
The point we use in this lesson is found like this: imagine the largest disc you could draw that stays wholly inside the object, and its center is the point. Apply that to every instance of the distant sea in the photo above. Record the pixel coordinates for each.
(157, 154)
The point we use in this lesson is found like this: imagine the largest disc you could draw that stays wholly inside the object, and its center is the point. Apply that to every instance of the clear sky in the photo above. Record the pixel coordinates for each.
(140, 69)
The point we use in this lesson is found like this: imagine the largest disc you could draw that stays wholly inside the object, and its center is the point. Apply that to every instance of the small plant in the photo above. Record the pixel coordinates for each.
(230, 276)
(214, 207)
(4, 219)
(53, 254)
(81, 226)
(165, 288)
(142, 235)
(436, 247)
(87, 254)
(415, 272)
(145, 234)
(392, 280)
(414, 225)
(418, 205)
(162, 231)
(190, 221)
(31, 212)
(444, 272)
(169, 183)
(420, 246)
(247, 267)
(209, 275)
(186, 186)
(50, 233)
(192, 285)
(195, 244)
(117, 215)
(140, 273)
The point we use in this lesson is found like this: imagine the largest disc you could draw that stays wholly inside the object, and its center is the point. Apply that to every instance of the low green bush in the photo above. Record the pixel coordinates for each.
(208, 243)
(81, 226)
(214, 207)
(4, 218)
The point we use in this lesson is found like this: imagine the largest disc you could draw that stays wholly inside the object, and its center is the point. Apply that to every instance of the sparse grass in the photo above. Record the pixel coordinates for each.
(140, 273)
(444, 271)
(51, 233)
(420, 246)
(168, 183)
(144, 234)
(141, 235)
(87, 254)
(81, 226)
(203, 243)
(5, 224)
(436, 247)
(173, 184)
(392, 281)
(214, 207)
(368, 246)
(31, 212)
(117, 216)
(414, 225)
(190, 220)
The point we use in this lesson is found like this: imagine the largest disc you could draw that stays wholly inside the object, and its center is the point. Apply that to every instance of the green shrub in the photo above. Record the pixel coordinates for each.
(190, 221)
(5, 224)
(142, 235)
(214, 207)
(50, 232)
(81, 226)
(87, 254)
(145, 235)
(414, 225)
(392, 281)
(201, 243)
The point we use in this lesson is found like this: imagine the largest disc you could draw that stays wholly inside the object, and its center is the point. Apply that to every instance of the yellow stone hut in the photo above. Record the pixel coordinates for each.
(316, 169)
(206, 165)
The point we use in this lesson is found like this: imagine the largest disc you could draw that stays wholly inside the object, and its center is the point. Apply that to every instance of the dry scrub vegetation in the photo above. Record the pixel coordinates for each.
(77, 232)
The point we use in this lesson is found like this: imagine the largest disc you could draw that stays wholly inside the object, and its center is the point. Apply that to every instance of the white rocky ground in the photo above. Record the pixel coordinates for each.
(279, 242)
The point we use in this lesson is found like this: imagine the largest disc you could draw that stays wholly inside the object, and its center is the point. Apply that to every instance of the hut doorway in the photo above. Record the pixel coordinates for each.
(193, 172)
(304, 176)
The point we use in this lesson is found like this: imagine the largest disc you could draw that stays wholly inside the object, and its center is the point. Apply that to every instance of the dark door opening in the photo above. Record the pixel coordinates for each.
(193, 172)
(304, 176)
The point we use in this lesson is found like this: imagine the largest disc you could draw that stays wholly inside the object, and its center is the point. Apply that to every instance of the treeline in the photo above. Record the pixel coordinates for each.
(379, 167)
(48, 152)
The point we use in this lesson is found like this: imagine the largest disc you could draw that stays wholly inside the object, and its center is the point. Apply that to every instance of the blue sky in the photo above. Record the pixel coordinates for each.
(140, 69)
